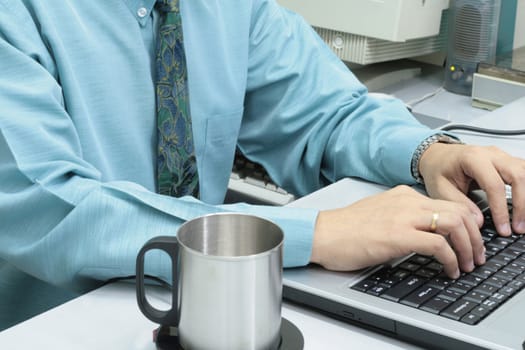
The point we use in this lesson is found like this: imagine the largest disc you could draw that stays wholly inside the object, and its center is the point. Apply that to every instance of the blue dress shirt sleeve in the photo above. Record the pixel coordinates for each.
(309, 121)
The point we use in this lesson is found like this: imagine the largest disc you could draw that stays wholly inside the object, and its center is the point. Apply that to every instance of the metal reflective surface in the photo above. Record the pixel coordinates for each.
(230, 282)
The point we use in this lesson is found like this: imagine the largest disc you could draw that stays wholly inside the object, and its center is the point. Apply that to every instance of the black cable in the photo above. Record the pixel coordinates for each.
(483, 130)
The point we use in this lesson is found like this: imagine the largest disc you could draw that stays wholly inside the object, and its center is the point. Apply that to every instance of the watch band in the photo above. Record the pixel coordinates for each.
(423, 146)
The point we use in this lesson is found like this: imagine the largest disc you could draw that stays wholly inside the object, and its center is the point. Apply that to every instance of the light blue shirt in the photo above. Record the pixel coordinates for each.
(78, 133)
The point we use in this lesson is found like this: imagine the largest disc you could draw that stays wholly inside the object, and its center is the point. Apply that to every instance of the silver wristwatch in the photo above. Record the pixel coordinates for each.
(423, 146)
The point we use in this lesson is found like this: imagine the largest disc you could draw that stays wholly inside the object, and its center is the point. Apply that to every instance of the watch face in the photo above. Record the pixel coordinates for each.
(447, 139)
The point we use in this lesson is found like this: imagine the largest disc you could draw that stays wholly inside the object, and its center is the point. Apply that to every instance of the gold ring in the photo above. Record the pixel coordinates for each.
(434, 222)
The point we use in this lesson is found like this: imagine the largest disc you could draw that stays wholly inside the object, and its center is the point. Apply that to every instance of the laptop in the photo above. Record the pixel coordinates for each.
(491, 317)
(410, 298)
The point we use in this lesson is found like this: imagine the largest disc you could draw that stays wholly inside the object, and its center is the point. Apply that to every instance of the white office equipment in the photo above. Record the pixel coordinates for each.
(370, 31)
(490, 92)
(497, 84)
(250, 183)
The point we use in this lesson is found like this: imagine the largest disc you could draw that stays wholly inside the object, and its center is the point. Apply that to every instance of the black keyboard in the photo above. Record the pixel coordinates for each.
(419, 281)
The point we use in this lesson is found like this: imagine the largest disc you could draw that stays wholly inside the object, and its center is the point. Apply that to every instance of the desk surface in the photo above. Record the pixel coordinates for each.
(108, 318)
(423, 92)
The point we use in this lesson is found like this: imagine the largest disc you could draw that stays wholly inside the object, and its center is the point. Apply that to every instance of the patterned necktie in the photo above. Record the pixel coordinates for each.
(176, 163)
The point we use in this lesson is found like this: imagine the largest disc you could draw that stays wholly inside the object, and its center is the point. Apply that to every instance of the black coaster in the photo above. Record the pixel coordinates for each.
(166, 338)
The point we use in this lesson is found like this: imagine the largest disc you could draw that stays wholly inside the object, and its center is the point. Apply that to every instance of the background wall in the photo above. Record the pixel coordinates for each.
(519, 34)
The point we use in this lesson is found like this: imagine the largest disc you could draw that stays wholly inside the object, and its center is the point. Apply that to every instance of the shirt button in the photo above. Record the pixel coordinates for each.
(142, 12)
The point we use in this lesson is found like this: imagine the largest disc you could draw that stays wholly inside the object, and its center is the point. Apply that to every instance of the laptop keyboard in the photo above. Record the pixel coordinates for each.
(419, 281)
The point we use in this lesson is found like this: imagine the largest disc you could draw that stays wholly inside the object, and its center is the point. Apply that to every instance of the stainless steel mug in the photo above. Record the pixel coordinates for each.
(227, 282)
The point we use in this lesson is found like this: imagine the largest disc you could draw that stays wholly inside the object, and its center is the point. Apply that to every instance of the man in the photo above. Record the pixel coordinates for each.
(78, 146)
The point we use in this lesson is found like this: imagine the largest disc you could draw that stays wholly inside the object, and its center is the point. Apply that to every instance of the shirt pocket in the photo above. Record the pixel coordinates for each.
(220, 140)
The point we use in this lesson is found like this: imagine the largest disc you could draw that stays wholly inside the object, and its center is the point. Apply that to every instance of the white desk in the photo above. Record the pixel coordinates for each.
(108, 318)
(424, 91)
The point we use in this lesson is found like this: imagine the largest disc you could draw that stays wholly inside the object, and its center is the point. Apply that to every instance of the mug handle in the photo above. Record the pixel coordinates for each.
(169, 317)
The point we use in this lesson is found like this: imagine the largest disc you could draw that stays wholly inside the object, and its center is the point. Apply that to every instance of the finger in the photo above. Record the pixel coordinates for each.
(465, 238)
(458, 224)
(452, 226)
(490, 180)
(448, 191)
(515, 176)
(476, 240)
(422, 242)
(518, 207)
(469, 225)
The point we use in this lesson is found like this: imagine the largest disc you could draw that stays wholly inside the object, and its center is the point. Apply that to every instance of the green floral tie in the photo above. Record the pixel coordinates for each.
(176, 164)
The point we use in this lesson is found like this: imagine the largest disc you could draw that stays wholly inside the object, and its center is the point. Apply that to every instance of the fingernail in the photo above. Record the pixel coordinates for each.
(456, 274)
(482, 257)
(504, 229)
(520, 226)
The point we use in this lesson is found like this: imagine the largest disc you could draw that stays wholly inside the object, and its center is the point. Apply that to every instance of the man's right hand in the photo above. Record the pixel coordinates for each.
(396, 223)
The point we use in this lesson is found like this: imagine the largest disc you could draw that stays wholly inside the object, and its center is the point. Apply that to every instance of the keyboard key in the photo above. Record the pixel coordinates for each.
(450, 295)
(378, 289)
(434, 266)
(364, 285)
(409, 266)
(475, 296)
(516, 267)
(403, 288)
(459, 309)
(440, 282)
(481, 311)
(494, 265)
(505, 274)
(255, 181)
(420, 259)
(426, 273)
(388, 277)
(519, 246)
(508, 290)
(460, 287)
(498, 297)
(518, 285)
(488, 233)
(495, 281)
(482, 272)
(501, 242)
(471, 280)
(503, 260)
(512, 253)
(420, 296)
(385, 278)
(490, 304)
(281, 190)
(520, 277)
(436, 305)
(380, 275)
(471, 319)
(486, 288)
(492, 249)
(400, 274)
(389, 282)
